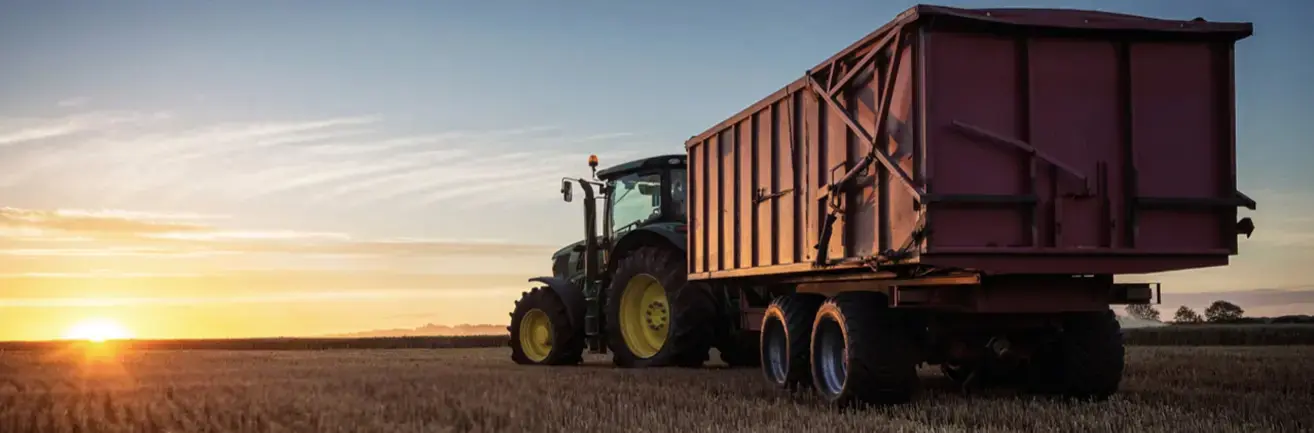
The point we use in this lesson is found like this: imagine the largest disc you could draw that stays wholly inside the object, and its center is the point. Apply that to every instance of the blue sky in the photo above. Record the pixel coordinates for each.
(447, 124)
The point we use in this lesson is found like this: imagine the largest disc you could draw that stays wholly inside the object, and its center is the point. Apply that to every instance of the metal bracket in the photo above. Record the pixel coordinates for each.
(1025, 147)
(760, 194)
(891, 40)
(887, 93)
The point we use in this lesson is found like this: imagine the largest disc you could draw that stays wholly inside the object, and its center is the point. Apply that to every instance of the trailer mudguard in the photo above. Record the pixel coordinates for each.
(570, 294)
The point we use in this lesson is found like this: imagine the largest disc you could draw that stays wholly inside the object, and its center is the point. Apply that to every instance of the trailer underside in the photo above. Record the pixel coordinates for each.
(1028, 331)
(951, 292)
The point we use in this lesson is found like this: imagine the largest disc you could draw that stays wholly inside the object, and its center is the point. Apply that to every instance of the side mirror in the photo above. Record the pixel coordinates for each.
(566, 191)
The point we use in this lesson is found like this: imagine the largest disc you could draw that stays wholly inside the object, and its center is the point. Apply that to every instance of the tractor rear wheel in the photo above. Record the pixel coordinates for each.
(541, 332)
(861, 352)
(656, 318)
(786, 340)
(1086, 361)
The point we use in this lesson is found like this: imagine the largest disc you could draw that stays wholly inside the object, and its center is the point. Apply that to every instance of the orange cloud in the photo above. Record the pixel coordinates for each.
(90, 222)
(86, 233)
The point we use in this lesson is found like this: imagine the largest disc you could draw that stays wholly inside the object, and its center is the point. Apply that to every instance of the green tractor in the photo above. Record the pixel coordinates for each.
(624, 288)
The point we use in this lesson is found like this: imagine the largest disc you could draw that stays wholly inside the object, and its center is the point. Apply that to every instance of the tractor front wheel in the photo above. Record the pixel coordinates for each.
(654, 317)
(541, 332)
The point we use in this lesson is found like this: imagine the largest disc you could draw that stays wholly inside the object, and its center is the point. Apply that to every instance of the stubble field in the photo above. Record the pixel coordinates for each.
(1217, 389)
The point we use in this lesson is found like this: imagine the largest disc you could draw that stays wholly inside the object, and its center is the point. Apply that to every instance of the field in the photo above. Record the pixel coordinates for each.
(85, 389)
(1189, 335)
(1222, 335)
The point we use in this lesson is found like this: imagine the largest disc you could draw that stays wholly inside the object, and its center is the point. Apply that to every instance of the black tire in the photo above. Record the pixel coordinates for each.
(866, 345)
(1086, 361)
(786, 340)
(567, 340)
(741, 350)
(692, 313)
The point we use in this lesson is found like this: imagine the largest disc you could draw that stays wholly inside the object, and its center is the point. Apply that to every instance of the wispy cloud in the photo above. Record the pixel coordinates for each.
(285, 297)
(14, 131)
(95, 275)
(139, 233)
(107, 284)
(74, 102)
(90, 222)
(607, 136)
(354, 161)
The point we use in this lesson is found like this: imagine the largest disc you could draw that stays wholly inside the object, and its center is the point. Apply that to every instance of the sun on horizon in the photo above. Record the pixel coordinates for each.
(97, 329)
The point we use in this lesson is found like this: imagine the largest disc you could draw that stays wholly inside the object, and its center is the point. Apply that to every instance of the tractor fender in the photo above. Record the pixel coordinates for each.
(653, 235)
(570, 294)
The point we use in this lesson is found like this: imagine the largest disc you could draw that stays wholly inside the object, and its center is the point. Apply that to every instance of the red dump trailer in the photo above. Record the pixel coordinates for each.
(959, 188)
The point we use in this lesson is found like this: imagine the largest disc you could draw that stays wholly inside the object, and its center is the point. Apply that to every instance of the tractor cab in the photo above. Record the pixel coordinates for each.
(646, 193)
(642, 192)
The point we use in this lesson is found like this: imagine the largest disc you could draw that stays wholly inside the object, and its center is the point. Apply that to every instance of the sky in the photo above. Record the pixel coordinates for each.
(233, 169)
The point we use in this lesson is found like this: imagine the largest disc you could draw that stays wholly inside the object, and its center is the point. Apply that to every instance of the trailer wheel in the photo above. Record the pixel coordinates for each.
(1085, 362)
(786, 339)
(541, 332)
(861, 352)
(654, 317)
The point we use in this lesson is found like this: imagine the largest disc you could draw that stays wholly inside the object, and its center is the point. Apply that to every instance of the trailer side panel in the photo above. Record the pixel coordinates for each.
(1001, 140)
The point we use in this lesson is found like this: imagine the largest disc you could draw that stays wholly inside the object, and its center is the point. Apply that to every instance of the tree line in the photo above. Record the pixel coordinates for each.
(1218, 312)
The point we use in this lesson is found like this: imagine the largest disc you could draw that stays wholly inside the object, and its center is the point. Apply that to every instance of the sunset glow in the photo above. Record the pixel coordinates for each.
(97, 330)
(361, 169)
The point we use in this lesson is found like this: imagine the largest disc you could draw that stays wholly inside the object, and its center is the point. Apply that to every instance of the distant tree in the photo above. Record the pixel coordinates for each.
(1223, 311)
(1187, 315)
(1143, 312)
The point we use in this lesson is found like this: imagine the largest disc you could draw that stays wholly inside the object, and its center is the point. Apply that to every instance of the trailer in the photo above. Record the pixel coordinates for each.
(959, 188)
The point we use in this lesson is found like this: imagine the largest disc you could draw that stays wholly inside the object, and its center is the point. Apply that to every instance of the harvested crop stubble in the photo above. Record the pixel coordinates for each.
(1222, 335)
(1230, 389)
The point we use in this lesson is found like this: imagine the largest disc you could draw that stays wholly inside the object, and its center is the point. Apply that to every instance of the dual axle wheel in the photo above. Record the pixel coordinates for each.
(855, 349)
(850, 348)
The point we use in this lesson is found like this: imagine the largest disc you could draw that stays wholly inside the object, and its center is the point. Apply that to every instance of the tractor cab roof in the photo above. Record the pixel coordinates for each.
(661, 161)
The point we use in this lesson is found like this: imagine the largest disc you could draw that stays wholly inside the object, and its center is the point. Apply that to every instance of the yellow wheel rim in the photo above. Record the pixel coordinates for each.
(644, 315)
(536, 335)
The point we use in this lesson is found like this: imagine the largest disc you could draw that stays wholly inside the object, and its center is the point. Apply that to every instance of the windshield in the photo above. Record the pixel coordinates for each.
(635, 199)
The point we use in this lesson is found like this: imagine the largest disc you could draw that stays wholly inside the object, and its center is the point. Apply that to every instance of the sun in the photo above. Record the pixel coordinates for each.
(97, 329)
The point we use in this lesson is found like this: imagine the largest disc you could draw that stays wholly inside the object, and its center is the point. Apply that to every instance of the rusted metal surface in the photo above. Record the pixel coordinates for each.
(995, 140)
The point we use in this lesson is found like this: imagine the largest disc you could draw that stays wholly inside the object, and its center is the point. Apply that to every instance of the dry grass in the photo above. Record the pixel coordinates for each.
(1222, 335)
(1183, 335)
(1232, 389)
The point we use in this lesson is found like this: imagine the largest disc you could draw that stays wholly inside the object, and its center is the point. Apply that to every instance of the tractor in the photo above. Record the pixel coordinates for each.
(623, 288)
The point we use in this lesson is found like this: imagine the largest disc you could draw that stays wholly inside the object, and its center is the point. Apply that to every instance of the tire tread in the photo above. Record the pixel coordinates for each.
(565, 351)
